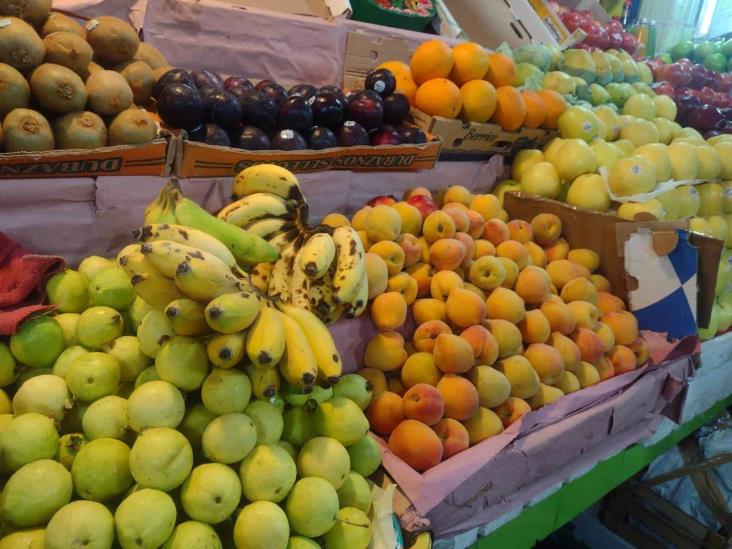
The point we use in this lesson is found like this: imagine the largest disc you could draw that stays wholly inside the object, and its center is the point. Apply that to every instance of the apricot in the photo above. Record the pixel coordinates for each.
(624, 325)
(428, 309)
(385, 351)
(447, 254)
(585, 257)
(520, 231)
(422, 275)
(589, 344)
(459, 217)
(425, 247)
(579, 289)
(601, 283)
(493, 387)
(416, 444)
(568, 383)
(622, 358)
(585, 314)
(420, 368)
(515, 251)
(411, 247)
(411, 217)
(382, 223)
(417, 191)
(609, 303)
(560, 316)
(377, 274)
(534, 327)
(507, 336)
(385, 412)
(464, 308)
(532, 284)
(567, 348)
(547, 228)
(389, 311)
(454, 437)
(469, 245)
(483, 247)
(512, 410)
(425, 335)
(561, 271)
(365, 242)
(495, 231)
(482, 425)
(473, 288)
(605, 368)
(475, 224)
(424, 403)
(443, 282)
(505, 304)
(606, 336)
(641, 350)
(404, 284)
(453, 354)
(546, 360)
(358, 221)
(587, 374)
(438, 225)
(335, 220)
(453, 204)
(376, 378)
(460, 396)
(520, 374)
(487, 272)
(559, 249)
(484, 344)
(486, 205)
(392, 254)
(458, 193)
(545, 396)
(512, 272)
(537, 255)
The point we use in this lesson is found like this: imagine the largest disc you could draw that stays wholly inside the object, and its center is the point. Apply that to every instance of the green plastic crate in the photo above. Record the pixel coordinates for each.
(370, 12)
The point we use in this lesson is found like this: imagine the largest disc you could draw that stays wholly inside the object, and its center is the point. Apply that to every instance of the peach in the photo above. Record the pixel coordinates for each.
(505, 304)
(386, 199)
(512, 272)
(458, 193)
(605, 368)
(537, 255)
(567, 349)
(589, 344)
(425, 335)
(493, 387)
(382, 223)
(358, 221)
(411, 217)
(624, 325)
(459, 217)
(454, 437)
(585, 314)
(422, 275)
(507, 336)
(515, 251)
(641, 350)
(417, 191)
(560, 316)
(585, 257)
(483, 424)
(392, 254)
(601, 283)
(460, 396)
(545, 396)
(532, 284)
(568, 383)
(587, 374)
(469, 245)
(473, 288)
(484, 344)
(487, 272)
(609, 303)
(404, 284)
(546, 360)
(534, 327)
(520, 230)
(420, 368)
(453, 354)
(385, 351)
(425, 247)
(622, 358)
(464, 308)
(447, 254)
(411, 247)
(606, 336)
(385, 412)
(486, 205)
(377, 274)
(561, 271)
(428, 309)
(547, 228)
(376, 378)
(559, 249)
(475, 224)
(452, 204)
(335, 220)
(389, 311)
(579, 289)
(443, 283)
(424, 403)
(438, 225)
(483, 247)
(521, 375)
(512, 410)
(416, 444)
(495, 231)
(365, 242)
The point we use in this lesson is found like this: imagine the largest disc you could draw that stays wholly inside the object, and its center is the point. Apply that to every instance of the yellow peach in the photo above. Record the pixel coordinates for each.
(453, 354)
(460, 396)
(532, 284)
(487, 272)
(377, 378)
(464, 308)
(585, 314)
(458, 193)
(493, 387)
(483, 425)
(562, 271)
(420, 368)
(425, 335)
(624, 325)
(385, 412)
(459, 216)
(568, 383)
(335, 220)
(484, 344)
(486, 205)
(495, 231)
(425, 247)
(412, 248)
(520, 231)
(515, 251)
(512, 272)
(358, 221)
(473, 288)
(389, 311)
(560, 316)
(587, 374)
(507, 336)
(417, 191)
(392, 254)
(428, 309)
(469, 245)
(383, 223)
(447, 254)
(567, 349)
(605, 368)
(559, 249)
(475, 225)
(385, 351)
(396, 386)
(547, 228)
(537, 255)
(512, 410)
(589, 344)
(545, 396)
(622, 359)
(520, 374)
(422, 275)
(641, 350)
(377, 274)
(443, 282)
(606, 336)
(585, 257)
(363, 237)
(546, 360)
(601, 283)
(438, 225)
(534, 327)
(505, 304)
(609, 303)
(405, 284)
(579, 289)
(411, 217)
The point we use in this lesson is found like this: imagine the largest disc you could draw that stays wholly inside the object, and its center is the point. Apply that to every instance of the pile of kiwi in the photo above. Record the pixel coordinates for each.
(64, 85)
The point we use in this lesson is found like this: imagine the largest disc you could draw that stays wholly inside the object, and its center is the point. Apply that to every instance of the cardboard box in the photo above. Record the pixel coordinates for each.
(318, 8)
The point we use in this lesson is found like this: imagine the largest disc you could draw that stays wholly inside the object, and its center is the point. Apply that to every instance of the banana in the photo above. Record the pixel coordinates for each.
(316, 255)
(135, 262)
(320, 299)
(265, 381)
(232, 312)
(186, 318)
(188, 236)
(226, 350)
(254, 207)
(265, 343)
(358, 305)
(159, 211)
(321, 342)
(204, 280)
(269, 227)
(350, 264)
(127, 250)
(298, 365)
(279, 280)
(259, 276)
(298, 285)
(166, 255)
(267, 178)
(155, 289)
(283, 240)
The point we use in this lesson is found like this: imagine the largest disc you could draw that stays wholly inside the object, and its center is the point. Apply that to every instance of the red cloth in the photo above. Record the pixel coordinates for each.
(22, 283)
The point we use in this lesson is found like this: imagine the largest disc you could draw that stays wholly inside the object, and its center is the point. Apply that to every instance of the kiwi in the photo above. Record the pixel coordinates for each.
(26, 130)
(57, 88)
(58, 22)
(14, 89)
(140, 78)
(109, 93)
(68, 49)
(20, 45)
(80, 130)
(132, 127)
(30, 10)
(160, 71)
(151, 55)
(113, 40)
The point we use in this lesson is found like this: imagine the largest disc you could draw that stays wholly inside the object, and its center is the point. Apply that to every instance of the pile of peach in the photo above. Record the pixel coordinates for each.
(509, 319)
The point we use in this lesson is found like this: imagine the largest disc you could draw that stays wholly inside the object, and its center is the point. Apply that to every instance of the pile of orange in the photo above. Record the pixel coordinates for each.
(466, 81)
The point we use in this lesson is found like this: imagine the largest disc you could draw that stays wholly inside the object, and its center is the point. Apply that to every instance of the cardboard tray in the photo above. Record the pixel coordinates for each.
(318, 8)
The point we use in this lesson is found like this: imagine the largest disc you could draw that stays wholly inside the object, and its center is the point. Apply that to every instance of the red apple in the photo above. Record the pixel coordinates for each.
(614, 25)
(572, 20)
(615, 40)
(630, 43)
(698, 76)
(707, 96)
(385, 199)
(725, 82)
(423, 203)
(663, 88)
(677, 74)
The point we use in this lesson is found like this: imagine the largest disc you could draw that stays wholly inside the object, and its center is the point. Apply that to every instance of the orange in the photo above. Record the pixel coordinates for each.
(431, 59)
(554, 106)
(479, 101)
(403, 75)
(398, 68)
(439, 97)
(501, 70)
(471, 62)
(535, 110)
(510, 108)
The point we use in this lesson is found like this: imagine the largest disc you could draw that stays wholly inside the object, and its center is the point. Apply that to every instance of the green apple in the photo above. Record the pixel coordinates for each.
(640, 106)
(560, 82)
(194, 423)
(365, 456)
(665, 107)
(268, 419)
(521, 162)
(31, 538)
(91, 265)
(93, 375)
(355, 492)
(610, 119)
(152, 332)
(505, 186)
(111, 288)
(665, 130)
(352, 530)
(711, 196)
(606, 154)
(68, 322)
(38, 342)
(710, 165)
(670, 202)
(183, 362)
(107, 418)
(261, 525)
(688, 199)
(341, 419)
(68, 447)
(132, 361)
(312, 506)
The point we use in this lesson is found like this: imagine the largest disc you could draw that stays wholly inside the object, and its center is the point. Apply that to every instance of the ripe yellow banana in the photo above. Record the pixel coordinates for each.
(265, 381)
(232, 312)
(266, 339)
(350, 264)
(226, 350)
(186, 318)
(298, 365)
(166, 255)
(159, 210)
(259, 276)
(279, 280)
(269, 227)
(316, 255)
(254, 207)
(155, 289)
(188, 236)
(320, 298)
(358, 305)
(298, 285)
(267, 178)
(204, 280)
(283, 240)
(135, 262)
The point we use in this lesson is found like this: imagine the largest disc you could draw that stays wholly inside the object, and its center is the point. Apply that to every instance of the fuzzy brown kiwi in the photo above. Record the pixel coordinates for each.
(68, 49)
(33, 11)
(108, 92)
(57, 88)
(140, 78)
(14, 89)
(113, 40)
(151, 55)
(132, 127)
(58, 22)
(26, 130)
(20, 45)
(80, 130)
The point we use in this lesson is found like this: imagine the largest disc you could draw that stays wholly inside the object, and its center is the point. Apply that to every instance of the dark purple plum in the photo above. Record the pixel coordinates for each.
(727, 113)
(382, 81)
(294, 113)
(322, 138)
(352, 134)
(237, 82)
(366, 111)
(337, 91)
(705, 118)
(306, 90)
(413, 135)
(173, 76)
(257, 109)
(385, 135)
(289, 140)
(180, 106)
(204, 78)
(396, 109)
(271, 88)
(359, 94)
(328, 110)
(684, 105)
(253, 139)
(211, 134)
(222, 108)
